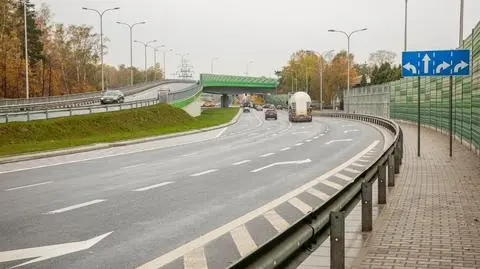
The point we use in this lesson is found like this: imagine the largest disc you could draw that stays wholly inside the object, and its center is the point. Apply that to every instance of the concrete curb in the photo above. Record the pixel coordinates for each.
(81, 149)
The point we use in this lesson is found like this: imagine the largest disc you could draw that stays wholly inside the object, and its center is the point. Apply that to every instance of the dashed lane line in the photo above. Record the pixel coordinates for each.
(154, 186)
(204, 173)
(267, 154)
(241, 162)
(298, 144)
(69, 208)
(29, 186)
(284, 149)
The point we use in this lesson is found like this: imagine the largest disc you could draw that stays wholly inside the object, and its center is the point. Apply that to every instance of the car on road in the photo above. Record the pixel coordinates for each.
(246, 109)
(112, 97)
(279, 107)
(259, 108)
(266, 106)
(271, 113)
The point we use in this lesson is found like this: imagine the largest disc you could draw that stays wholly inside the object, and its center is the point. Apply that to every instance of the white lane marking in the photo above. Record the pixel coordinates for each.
(322, 134)
(284, 149)
(358, 165)
(260, 121)
(339, 140)
(241, 162)
(221, 132)
(267, 154)
(243, 240)
(316, 137)
(154, 186)
(332, 184)
(214, 234)
(350, 131)
(351, 170)
(189, 154)
(29, 186)
(133, 166)
(363, 161)
(68, 208)
(195, 259)
(321, 195)
(204, 173)
(279, 223)
(298, 144)
(308, 140)
(300, 205)
(349, 125)
(48, 252)
(274, 134)
(280, 163)
(303, 132)
(344, 177)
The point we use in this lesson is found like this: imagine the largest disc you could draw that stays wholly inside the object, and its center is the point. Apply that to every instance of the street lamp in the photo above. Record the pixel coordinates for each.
(211, 64)
(248, 64)
(165, 62)
(405, 31)
(348, 53)
(145, 44)
(131, 46)
(27, 87)
(100, 13)
(155, 50)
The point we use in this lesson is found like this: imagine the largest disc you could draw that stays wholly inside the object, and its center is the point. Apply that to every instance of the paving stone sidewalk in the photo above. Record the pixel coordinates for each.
(432, 217)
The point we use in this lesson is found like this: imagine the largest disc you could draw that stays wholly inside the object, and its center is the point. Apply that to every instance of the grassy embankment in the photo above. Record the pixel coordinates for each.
(42, 135)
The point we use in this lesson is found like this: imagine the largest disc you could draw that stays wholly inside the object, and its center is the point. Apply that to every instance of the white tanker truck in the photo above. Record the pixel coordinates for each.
(299, 107)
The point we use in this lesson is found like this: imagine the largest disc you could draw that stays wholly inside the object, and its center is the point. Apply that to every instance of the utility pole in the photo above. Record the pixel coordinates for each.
(27, 86)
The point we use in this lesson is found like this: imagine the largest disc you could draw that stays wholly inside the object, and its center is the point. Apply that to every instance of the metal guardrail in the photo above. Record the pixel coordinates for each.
(73, 100)
(287, 248)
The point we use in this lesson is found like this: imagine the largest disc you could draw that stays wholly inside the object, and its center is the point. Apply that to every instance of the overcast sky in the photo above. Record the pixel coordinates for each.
(267, 31)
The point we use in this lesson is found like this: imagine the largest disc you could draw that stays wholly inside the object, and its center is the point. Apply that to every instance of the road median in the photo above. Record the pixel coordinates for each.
(47, 138)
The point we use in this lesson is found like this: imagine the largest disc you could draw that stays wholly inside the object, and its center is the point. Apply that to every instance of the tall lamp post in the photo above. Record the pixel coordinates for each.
(348, 53)
(248, 65)
(165, 62)
(405, 30)
(100, 13)
(131, 46)
(27, 87)
(145, 44)
(155, 50)
(211, 64)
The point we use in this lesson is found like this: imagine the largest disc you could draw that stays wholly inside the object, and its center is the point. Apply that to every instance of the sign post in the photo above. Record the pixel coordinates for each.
(436, 63)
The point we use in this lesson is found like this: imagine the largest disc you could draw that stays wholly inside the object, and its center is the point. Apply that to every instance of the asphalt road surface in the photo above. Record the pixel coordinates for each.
(197, 201)
(55, 113)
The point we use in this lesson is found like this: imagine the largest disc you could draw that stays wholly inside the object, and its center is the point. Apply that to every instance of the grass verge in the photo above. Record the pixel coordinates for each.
(42, 135)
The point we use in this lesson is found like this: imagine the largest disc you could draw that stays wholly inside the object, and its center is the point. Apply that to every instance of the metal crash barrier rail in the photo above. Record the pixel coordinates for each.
(287, 248)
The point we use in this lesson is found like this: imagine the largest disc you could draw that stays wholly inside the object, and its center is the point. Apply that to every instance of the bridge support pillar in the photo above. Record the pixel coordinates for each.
(224, 100)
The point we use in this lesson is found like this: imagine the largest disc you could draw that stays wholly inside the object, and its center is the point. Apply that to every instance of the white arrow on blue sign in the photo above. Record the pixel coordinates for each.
(436, 63)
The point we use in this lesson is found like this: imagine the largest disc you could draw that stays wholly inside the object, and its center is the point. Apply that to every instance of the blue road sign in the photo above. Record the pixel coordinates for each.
(436, 63)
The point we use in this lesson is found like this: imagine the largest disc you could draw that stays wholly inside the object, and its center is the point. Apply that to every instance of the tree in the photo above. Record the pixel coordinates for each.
(382, 56)
(385, 73)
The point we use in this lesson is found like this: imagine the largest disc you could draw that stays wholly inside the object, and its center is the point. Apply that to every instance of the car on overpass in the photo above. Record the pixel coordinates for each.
(112, 97)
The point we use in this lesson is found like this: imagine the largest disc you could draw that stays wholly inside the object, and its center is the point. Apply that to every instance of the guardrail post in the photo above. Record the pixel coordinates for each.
(337, 240)
(70, 111)
(382, 184)
(396, 154)
(120, 106)
(391, 171)
(89, 110)
(28, 115)
(106, 108)
(6, 118)
(46, 113)
(366, 207)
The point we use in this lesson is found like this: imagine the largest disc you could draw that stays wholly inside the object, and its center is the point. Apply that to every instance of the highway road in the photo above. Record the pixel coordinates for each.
(148, 94)
(196, 201)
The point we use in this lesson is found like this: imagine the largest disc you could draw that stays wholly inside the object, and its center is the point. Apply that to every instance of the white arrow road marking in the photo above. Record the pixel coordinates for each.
(460, 66)
(29, 186)
(154, 186)
(68, 208)
(411, 68)
(280, 163)
(441, 67)
(279, 223)
(171, 256)
(350, 131)
(340, 140)
(204, 173)
(48, 252)
(426, 59)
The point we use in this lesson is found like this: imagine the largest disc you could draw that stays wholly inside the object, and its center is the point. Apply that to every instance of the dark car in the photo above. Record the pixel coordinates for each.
(246, 109)
(270, 114)
(111, 97)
